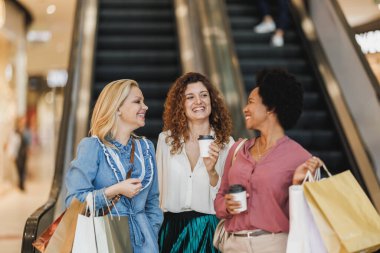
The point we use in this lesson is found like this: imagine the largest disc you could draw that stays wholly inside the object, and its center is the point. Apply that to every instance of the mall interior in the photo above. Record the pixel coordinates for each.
(55, 57)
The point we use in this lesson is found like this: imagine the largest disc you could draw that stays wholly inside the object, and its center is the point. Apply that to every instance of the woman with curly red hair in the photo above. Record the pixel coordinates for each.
(188, 182)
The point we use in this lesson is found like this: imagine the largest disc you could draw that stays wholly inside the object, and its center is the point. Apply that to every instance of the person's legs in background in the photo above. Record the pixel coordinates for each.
(268, 25)
(281, 24)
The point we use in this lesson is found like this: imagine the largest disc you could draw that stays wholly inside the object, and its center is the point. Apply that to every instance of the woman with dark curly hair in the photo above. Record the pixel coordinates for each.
(188, 182)
(265, 166)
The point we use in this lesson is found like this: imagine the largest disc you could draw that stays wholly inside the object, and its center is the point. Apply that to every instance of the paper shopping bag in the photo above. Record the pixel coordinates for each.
(62, 238)
(304, 236)
(103, 234)
(347, 220)
(118, 237)
(43, 240)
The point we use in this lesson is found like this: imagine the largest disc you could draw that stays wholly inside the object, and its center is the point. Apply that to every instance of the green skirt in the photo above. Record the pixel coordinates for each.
(188, 232)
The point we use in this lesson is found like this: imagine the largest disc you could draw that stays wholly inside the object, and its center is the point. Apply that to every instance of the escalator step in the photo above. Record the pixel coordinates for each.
(315, 139)
(127, 29)
(137, 42)
(133, 15)
(251, 38)
(264, 51)
(314, 120)
(292, 65)
(156, 73)
(145, 57)
(308, 83)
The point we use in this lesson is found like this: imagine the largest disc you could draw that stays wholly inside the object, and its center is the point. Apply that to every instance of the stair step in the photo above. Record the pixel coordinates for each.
(135, 4)
(151, 90)
(137, 42)
(312, 119)
(308, 83)
(315, 139)
(266, 51)
(129, 29)
(292, 65)
(143, 57)
(133, 15)
(138, 73)
(248, 37)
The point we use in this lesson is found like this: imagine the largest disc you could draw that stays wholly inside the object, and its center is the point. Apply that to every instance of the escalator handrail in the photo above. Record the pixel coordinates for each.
(353, 143)
(44, 215)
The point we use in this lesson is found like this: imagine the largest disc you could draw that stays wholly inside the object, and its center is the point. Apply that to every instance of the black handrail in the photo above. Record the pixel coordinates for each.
(43, 216)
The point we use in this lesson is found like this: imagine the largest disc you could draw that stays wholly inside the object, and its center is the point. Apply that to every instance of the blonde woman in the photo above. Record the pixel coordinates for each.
(114, 163)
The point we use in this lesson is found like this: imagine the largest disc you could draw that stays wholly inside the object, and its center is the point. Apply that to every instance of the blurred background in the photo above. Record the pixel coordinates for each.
(55, 57)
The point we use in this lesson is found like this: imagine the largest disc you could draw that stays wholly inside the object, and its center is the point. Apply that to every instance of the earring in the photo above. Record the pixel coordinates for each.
(118, 113)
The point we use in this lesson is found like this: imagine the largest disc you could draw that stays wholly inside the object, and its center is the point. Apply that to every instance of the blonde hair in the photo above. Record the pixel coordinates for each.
(104, 116)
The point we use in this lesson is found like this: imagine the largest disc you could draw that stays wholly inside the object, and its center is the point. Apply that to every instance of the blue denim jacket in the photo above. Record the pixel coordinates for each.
(94, 169)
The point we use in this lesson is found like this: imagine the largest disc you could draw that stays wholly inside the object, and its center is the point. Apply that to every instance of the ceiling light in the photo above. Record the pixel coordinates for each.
(57, 78)
(38, 36)
(369, 41)
(51, 9)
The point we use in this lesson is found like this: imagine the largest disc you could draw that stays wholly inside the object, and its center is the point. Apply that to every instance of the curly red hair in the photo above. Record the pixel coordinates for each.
(175, 118)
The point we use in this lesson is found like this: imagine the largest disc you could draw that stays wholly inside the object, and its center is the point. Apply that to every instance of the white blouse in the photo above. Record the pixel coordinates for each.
(182, 189)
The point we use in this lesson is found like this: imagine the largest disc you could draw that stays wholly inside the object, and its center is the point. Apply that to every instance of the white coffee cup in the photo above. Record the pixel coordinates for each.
(239, 194)
(204, 144)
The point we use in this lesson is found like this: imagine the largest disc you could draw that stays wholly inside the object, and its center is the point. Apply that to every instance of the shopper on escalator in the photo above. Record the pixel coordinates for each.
(269, 24)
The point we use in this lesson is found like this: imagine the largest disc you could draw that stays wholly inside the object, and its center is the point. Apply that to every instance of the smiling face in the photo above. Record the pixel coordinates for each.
(255, 112)
(132, 111)
(197, 102)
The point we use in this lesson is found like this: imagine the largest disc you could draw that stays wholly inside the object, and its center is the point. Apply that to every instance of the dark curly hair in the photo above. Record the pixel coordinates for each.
(175, 118)
(282, 94)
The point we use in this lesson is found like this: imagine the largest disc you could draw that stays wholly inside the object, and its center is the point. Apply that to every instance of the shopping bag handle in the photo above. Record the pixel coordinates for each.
(325, 169)
(317, 176)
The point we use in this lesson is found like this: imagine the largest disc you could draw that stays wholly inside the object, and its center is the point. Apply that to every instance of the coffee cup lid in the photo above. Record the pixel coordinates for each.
(236, 188)
(205, 137)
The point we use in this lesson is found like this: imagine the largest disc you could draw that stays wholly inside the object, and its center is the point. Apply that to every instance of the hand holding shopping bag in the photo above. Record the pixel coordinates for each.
(347, 220)
(59, 236)
(101, 234)
(304, 236)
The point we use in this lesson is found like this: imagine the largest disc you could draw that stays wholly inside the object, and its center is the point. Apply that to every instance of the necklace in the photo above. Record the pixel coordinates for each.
(260, 154)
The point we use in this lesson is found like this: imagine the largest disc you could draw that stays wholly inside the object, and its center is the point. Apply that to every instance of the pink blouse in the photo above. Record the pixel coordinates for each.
(267, 182)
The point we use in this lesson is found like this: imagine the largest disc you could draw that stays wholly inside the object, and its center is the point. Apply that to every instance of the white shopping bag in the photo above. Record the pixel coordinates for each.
(304, 236)
(90, 233)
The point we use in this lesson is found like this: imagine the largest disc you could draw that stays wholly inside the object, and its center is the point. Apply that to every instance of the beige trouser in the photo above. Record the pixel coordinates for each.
(267, 243)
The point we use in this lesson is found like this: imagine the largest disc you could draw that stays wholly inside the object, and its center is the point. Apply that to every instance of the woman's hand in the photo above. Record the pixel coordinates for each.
(312, 164)
(212, 159)
(129, 188)
(231, 204)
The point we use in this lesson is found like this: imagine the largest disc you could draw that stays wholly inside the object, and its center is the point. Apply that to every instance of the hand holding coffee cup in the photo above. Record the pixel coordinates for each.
(236, 199)
(204, 144)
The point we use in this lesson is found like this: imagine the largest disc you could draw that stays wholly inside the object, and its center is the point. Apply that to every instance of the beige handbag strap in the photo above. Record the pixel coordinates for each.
(237, 149)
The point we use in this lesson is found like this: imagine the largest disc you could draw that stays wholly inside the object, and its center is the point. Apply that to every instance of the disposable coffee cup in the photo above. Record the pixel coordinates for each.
(204, 144)
(239, 194)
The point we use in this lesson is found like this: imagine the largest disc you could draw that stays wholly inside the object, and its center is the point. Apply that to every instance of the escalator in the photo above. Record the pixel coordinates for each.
(317, 129)
(136, 39)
